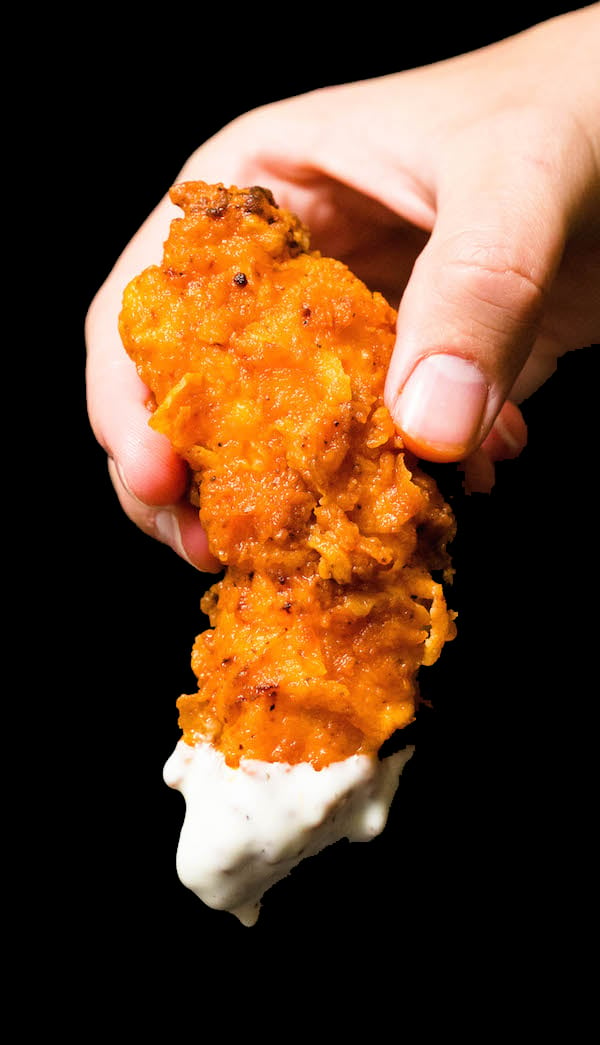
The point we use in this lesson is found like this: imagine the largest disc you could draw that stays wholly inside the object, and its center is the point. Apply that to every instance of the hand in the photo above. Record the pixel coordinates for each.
(468, 192)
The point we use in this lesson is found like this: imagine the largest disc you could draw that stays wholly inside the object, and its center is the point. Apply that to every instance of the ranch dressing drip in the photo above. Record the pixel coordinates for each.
(245, 829)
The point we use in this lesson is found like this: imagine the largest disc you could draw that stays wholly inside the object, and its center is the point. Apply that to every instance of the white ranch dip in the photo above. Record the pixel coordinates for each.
(245, 829)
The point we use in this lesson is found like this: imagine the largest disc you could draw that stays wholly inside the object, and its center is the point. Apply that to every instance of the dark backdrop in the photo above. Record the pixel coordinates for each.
(490, 818)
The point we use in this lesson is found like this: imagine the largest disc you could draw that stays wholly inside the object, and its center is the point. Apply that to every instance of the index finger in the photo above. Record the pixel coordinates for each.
(117, 399)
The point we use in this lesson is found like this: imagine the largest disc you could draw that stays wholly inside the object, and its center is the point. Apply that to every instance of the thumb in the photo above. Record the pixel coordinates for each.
(468, 318)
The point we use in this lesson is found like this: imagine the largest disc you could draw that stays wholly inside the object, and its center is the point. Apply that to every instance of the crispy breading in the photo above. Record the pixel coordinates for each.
(266, 362)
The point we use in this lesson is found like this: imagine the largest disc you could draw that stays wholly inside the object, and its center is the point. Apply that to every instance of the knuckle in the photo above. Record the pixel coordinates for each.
(496, 282)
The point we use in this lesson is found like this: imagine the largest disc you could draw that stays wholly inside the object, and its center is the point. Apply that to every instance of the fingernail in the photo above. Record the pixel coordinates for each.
(167, 530)
(508, 436)
(440, 409)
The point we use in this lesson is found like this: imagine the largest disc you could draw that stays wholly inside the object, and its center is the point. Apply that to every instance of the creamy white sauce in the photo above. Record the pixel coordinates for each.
(245, 829)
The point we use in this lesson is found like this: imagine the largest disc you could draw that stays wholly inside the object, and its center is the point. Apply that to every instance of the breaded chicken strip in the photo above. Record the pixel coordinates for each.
(266, 362)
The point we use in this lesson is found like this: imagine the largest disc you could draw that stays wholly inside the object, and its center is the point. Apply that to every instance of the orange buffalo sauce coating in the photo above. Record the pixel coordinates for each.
(266, 362)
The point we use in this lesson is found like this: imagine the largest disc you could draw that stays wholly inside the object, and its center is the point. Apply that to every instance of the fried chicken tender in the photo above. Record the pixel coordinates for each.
(266, 362)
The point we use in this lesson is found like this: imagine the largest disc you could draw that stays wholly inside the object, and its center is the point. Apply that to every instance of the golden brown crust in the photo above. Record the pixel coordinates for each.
(267, 363)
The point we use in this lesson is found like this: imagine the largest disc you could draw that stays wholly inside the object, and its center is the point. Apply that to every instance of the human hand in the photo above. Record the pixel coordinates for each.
(468, 192)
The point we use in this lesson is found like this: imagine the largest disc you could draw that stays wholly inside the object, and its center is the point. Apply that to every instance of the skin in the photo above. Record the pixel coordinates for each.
(467, 191)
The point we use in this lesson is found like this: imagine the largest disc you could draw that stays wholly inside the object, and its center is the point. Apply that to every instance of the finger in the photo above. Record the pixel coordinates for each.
(149, 467)
(470, 313)
(150, 479)
(508, 435)
(506, 440)
(118, 401)
(176, 525)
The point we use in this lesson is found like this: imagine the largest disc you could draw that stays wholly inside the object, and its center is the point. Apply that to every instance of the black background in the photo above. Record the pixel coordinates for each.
(487, 843)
